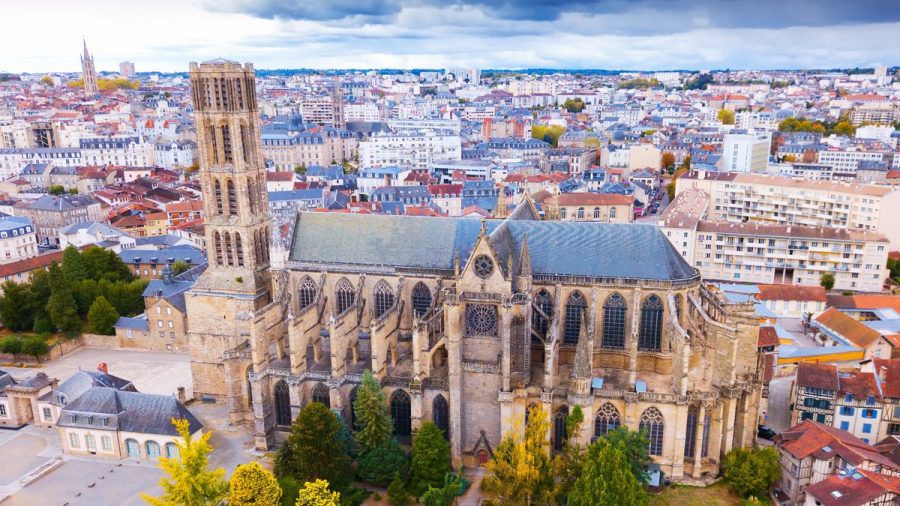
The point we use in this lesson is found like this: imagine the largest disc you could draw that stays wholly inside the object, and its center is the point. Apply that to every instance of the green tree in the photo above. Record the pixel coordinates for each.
(430, 458)
(73, 265)
(827, 280)
(17, 306)
(102, 317)
(606, 479)
(35, 346)
(844, 128)
(179, 267)
(548, 133)
(56, 189)
(374, 425)
(520, 471)
(290, 489)
(63, 311)
(252, 485)
(636, 446)
(396, 492)
(446, 494)
(568, 463)
(300, 169)
(726, 116)
(11, 345)
(42, 323)
(317, 493)
(573, 105)
(314, 450)
(189, 483)
(752, 472)
(378, 465)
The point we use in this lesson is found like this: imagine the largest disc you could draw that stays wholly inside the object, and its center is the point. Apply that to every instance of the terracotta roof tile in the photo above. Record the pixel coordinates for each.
(848, 327)
(822, 376)
(791, 292)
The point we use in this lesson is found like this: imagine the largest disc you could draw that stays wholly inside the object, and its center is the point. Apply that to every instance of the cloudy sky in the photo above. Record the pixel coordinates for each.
(164, 35)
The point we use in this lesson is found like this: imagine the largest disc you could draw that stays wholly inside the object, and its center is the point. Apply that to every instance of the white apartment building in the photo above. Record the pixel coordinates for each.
(175, 154)
(765, 199)
(746, 152)
(773, 253)
(317, 110)
(847, 160)
(18, 239)
(411, 149)
(130, 151)
(365, 111)
(323, 146)
(13, 160)
(756, 120)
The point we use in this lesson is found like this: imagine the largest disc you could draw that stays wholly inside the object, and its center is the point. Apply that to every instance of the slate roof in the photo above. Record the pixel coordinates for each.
(132, 411)
(189, 254)
(62, 202)
(135, 323)
(82, 381)
(632, 251)
(5, 380)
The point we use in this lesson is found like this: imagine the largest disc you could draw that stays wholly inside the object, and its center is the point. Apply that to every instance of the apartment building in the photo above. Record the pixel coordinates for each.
(761, 198)
(49, 213)
(773, 253)
(878, 113)
(320, 146)
(132, 151)
(848, 160)
(602, 207)
(746, 152)
(413, 149)
(17, 239)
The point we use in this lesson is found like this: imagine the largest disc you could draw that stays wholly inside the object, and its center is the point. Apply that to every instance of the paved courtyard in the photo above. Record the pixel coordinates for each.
(104, 482)
(152, 372)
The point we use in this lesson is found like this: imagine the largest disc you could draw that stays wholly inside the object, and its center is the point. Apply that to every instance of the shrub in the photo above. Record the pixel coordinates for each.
(396, 492)
(11, 345)
(751, 472)
(35, 346)
(430, 458)
(379, 465)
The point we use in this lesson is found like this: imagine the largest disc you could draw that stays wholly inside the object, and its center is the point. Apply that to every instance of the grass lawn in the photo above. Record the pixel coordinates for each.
(719, 493)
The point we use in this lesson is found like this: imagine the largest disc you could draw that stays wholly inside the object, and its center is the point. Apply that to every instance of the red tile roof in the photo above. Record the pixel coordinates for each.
(792, 292)
(767, 337)
(848, 327)
(853, 488)
(822, 376)
(889, 372)
(810, 438)
(30, 264)
(865, 301)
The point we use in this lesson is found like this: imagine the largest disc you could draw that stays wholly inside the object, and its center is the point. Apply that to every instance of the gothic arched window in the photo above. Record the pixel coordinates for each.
(541, 323)
(251, 195)
(217, 238)
(614, 311)
(384, 298)
(320, 394)
(652, 422)
(282, 403)
(218, 196)
(440, 413)
(704, 442)
(401, 413)
(574, 309)
(650, 338)
(559, 428)
(239, 249)
(306, 295)
(229, 253)
(226, 144)
(690, 432)
(213, 144)
(245, 142)
(607, 420)
(345, 295)
(421, 299)
(596, 213)
(232, 198)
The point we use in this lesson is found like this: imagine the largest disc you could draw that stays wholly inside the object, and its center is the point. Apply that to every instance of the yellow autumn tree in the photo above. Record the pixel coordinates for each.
(317, 493)
(188, 482)
(252, 485)
(520, 472)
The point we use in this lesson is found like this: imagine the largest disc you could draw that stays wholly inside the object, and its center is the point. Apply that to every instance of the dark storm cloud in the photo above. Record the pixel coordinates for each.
(680, 13)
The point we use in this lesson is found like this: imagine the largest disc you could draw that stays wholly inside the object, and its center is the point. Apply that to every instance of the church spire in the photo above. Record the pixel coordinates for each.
(87, 54)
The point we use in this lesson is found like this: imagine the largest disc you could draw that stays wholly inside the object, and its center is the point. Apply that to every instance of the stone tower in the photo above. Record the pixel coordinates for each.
(237, 286)
(337, 100)
(88, 73)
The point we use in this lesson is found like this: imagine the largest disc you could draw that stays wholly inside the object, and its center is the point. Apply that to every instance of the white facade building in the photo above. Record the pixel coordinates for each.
(745, 152)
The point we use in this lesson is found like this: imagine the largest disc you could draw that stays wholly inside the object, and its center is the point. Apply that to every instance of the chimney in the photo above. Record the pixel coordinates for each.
(103, 367)
(387, 179)
(882, 373)
(182, 397)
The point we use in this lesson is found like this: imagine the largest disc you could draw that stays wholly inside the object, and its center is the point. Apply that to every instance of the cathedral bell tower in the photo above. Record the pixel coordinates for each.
(237, 283)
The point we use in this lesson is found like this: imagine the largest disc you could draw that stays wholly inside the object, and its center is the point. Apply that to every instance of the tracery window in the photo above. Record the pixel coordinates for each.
(481, 320)
(559, 428)
(574, 309)
(218, 240)
(483, 266)
(307, 293)
(421, 299)
(650, 338)
(345, 295)
(401, 413)
(690, 432)
(440, 413)
(384, 298)
(282, 403)
(320, 394)
(232, 198)
(607, 419)
(540, 323)
(652, 421)
(614, 311)
(704, 444)
(218, 196)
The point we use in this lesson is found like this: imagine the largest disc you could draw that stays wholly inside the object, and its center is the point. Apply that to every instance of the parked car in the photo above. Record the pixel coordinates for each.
(765, 432)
